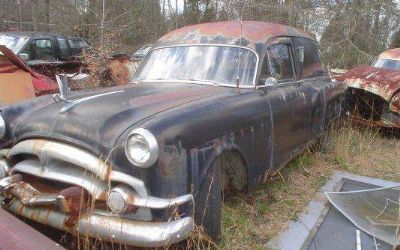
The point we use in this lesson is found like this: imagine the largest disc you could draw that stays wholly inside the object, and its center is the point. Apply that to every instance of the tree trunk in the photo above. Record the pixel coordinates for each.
(47, 14)
(103, 17)
(34, 15)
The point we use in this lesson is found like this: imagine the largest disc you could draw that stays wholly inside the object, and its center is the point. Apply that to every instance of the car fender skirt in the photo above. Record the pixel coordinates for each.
(112, 229)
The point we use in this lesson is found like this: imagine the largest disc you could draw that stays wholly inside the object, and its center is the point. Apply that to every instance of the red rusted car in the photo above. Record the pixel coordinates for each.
(374, 91)
(18, 81)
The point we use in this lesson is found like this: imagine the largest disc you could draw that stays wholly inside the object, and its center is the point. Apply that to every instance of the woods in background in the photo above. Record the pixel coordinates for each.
(350, 31)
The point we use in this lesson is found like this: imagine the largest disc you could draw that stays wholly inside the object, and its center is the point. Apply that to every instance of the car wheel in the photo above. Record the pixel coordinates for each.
(208, 203)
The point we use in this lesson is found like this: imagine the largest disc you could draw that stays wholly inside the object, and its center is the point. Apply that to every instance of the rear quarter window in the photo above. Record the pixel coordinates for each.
(77, 45)
(312, 66)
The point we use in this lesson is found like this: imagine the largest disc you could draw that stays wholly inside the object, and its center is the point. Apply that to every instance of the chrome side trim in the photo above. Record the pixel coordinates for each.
(117, 230)
(46, 150)
(65, 174)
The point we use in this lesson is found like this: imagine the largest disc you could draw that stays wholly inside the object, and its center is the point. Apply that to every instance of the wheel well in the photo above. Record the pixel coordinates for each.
(234, 172)
(365, 104)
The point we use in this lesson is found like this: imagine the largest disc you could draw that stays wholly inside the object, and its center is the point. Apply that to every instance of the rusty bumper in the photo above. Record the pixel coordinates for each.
(91, 223)
(112, 229)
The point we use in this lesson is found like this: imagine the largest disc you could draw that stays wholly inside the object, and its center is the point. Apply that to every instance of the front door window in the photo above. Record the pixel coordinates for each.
(280, 62)
(39, 49)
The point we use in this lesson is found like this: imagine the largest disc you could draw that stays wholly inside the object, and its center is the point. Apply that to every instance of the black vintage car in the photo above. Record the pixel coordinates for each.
(214, 108)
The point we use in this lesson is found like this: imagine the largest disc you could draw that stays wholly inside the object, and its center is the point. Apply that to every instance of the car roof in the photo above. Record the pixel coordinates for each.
(35, 34)
(251, 34)
(393, 54)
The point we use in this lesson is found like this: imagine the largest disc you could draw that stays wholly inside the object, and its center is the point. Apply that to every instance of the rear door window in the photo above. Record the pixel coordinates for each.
(279, 62)
(62, 44)
(40, 49)
(77, 45)
(312, 66)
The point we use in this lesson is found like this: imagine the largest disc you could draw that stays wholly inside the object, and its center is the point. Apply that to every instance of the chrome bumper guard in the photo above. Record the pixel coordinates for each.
(65, 163)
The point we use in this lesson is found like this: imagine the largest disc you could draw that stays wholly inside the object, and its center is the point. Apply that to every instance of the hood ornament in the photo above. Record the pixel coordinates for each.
(65, 91)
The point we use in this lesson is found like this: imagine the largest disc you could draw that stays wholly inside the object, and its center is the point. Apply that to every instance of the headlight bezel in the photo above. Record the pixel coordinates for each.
(151, 142)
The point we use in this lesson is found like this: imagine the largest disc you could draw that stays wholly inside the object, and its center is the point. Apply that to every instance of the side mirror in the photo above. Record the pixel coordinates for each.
(24, 56)
(270, 81)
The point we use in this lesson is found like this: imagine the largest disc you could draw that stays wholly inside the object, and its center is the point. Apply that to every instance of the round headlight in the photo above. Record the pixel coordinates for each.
(141, 148)
(2, 127)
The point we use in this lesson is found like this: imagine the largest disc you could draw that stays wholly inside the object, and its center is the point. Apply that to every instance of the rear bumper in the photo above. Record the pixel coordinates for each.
(111, 229)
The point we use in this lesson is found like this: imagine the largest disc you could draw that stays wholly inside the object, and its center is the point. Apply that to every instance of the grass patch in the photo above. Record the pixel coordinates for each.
(250, 221)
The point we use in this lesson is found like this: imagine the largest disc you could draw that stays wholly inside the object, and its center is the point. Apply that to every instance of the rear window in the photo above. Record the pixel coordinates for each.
(76, 43)
(312, 66)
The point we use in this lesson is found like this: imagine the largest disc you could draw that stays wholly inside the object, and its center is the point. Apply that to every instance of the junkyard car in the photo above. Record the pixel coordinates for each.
(374, 91)
(46, 53)
(213, 108)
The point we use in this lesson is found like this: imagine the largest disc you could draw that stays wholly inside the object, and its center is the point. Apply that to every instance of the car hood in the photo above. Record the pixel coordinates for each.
(99, 122)
(382, 82)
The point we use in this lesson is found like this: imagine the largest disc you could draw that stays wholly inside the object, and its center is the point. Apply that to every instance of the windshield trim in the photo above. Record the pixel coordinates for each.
(210, 45)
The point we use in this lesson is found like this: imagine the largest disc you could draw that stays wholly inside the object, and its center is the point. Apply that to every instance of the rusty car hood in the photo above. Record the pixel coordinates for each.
(96, 124)
(382, 82)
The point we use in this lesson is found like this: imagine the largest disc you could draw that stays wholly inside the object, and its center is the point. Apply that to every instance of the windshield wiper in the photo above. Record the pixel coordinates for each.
(199, 80)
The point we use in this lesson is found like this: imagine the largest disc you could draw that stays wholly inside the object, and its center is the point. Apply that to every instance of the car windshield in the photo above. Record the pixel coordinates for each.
(387, 64)
(14, 43)
(211, 64)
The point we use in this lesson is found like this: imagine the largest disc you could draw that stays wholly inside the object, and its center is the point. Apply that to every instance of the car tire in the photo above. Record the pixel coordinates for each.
(208, 203)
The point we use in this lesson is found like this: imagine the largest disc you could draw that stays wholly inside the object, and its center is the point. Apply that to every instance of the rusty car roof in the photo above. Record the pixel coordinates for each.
(254, 34)
(393, 54)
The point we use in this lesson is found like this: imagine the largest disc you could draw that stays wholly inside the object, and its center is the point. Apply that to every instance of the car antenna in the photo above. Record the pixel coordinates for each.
(239, 50)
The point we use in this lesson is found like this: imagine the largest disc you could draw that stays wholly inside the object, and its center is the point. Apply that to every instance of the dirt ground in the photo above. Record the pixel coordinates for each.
(250, 221)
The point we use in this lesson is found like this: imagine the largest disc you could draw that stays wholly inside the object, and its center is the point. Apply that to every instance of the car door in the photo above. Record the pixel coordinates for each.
(313, 76)
(287, 99)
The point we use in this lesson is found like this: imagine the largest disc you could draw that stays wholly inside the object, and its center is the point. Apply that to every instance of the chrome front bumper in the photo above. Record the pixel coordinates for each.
(94, 175)
(111, 229)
